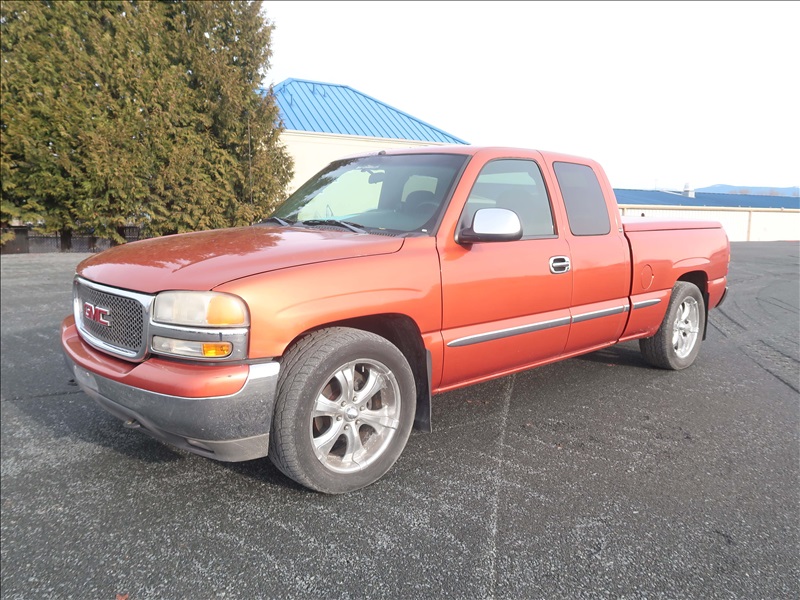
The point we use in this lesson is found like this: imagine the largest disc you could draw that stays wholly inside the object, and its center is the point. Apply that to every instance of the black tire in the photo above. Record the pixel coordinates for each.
(344, 410)
(677, 342)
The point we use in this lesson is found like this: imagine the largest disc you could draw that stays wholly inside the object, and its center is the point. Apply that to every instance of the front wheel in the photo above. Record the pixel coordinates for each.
(344, 411)
(677, 341)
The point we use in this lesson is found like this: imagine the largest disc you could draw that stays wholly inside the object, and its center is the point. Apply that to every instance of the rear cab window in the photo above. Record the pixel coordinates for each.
(587, 211)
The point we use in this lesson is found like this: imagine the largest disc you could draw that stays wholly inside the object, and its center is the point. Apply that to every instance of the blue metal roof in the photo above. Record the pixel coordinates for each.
(661, 198)
(330, 108)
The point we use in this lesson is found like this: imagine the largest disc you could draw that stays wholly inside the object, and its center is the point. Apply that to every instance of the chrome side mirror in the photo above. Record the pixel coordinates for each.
(491, 225)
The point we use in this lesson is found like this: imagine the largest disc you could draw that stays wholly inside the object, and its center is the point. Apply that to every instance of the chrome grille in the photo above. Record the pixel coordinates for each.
(125, 314)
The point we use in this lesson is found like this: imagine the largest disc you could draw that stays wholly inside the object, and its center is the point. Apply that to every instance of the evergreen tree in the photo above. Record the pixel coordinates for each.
(143, 113)
(35, 134)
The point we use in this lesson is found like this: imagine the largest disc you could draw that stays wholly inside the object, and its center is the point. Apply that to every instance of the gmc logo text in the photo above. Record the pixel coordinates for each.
(96, 314)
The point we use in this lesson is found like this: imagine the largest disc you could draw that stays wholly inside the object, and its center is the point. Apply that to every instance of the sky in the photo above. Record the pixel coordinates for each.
(662, 94)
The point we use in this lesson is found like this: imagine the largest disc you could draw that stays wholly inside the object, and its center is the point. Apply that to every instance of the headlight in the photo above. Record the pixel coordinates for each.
(200, 309)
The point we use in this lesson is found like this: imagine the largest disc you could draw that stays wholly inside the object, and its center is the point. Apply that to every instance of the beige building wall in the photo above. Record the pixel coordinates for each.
(312, 151)
(741, 224)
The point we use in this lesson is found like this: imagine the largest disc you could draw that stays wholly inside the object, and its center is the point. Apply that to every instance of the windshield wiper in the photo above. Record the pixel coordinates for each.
(354, 227)
(277, 220)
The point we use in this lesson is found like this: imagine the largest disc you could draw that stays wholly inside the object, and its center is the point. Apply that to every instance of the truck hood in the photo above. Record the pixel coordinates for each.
(206, 259)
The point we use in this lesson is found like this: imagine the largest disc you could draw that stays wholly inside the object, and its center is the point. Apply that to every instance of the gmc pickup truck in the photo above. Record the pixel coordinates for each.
(318, 336)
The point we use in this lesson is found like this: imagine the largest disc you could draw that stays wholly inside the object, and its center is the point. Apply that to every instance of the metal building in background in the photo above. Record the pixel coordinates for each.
(326, 121)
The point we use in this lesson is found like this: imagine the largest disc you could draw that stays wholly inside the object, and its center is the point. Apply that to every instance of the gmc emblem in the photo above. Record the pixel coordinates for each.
(96, 314)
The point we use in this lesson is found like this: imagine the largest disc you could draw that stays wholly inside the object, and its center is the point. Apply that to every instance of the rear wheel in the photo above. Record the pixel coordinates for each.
(345, 408)
(677, 342)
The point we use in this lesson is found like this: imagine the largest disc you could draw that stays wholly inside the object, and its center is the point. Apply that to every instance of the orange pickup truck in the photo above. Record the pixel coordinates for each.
(318, 336)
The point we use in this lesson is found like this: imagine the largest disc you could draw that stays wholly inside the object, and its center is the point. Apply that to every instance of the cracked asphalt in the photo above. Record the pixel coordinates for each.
(597, 477)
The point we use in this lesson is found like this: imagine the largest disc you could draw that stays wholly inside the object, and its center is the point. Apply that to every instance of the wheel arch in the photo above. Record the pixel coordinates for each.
(402, 331)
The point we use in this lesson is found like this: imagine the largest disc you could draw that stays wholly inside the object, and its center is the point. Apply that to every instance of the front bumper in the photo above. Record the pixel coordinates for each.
(231, 426)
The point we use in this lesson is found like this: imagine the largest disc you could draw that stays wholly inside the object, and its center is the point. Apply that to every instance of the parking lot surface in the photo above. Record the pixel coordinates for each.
(597, 477)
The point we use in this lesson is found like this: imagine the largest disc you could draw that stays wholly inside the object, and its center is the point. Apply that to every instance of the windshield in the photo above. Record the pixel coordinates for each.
(398, 193)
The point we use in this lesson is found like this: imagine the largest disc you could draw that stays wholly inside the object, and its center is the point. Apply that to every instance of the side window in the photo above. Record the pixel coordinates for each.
(516, 185)
(587, 211)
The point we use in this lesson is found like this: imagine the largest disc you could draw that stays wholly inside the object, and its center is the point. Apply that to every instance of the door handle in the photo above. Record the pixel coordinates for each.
(559, 264)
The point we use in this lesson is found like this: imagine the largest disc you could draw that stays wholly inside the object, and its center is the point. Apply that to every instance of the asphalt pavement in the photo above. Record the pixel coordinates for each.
(596, 477)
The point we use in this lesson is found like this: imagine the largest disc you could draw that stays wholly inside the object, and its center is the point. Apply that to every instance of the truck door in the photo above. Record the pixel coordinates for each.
(600, 259)
(505, 304)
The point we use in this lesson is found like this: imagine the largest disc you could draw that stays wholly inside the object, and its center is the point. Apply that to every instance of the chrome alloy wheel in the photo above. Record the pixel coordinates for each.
(355, 416)
(686, 328)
